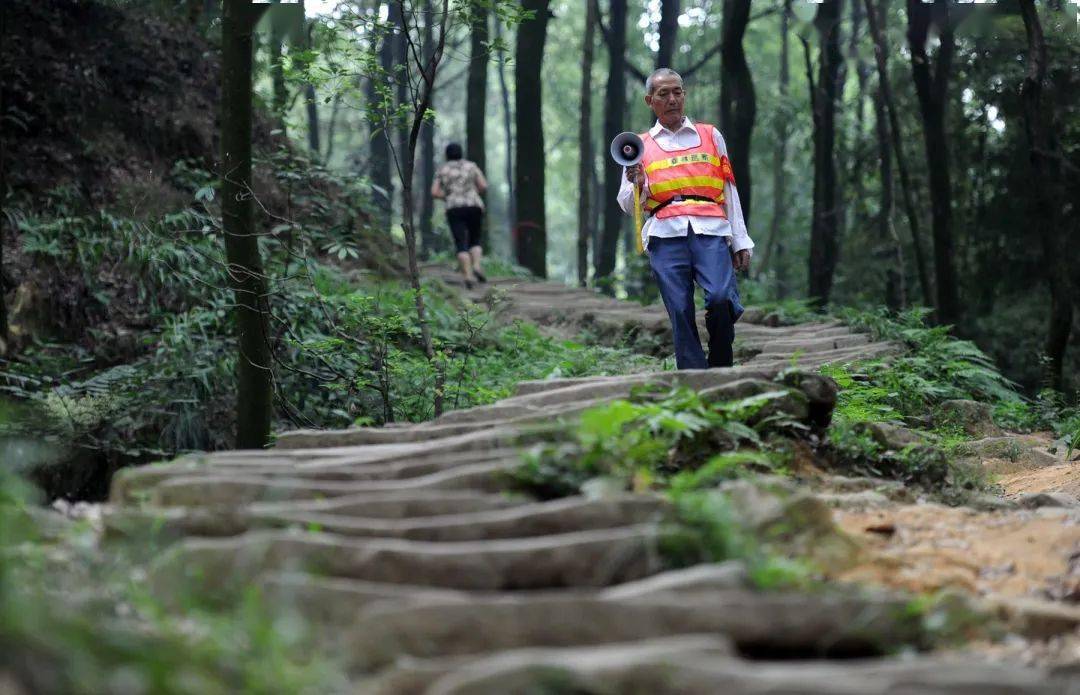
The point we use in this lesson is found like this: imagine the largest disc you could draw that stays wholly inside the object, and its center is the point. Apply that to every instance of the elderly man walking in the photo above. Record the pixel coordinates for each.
(694, 229)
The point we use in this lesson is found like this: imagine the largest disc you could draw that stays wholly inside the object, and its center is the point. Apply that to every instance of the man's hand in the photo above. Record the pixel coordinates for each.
(742, 260)
(634, 175)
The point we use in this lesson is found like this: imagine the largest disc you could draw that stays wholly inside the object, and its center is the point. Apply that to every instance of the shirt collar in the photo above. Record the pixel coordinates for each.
(686, 124)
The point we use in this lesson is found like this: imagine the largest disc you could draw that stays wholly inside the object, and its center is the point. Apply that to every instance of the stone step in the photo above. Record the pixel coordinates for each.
(561, 516)
(520, 521)
(321, 598)
(202, 491)
(147, 477)
(220, 567)
(336, 601)
(347, 441)
(398, 504)
(395, 511)
(701, 668)
(515, 668)
(814, 344)
(818, 623)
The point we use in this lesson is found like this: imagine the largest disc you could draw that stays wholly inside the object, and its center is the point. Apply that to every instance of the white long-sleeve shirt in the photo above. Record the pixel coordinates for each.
(734, 227)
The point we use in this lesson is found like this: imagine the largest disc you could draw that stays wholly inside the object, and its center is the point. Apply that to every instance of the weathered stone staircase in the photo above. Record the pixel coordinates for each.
(414, 565)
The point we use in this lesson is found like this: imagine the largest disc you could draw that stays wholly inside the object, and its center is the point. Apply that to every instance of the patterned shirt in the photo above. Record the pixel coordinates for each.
(458, 179)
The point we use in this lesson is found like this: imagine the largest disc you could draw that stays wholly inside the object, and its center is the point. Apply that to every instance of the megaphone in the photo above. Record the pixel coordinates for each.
(627, 149)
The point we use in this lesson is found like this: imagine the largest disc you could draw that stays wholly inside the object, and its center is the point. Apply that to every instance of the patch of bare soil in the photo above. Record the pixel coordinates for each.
(928, 547)
(1061, 478)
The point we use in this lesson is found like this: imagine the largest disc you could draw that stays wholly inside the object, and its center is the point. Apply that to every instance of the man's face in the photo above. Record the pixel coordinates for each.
(667, 100)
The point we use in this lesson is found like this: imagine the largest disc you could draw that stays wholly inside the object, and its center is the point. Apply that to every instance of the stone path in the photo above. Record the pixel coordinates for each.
(413, 564)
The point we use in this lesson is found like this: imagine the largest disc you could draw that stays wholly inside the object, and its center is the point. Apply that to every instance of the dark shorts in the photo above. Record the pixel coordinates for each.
(465, 225)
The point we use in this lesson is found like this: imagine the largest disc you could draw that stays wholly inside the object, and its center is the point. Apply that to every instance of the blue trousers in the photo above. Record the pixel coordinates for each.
(678, 262)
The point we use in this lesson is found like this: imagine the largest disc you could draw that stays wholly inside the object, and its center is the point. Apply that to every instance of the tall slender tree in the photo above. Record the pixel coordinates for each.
(824, 228)
(404, 86)
(476, 92)
(1046, 197)
(895, 288)
(931, 78)
(614, 110)
(253, 368)
(780, 149)
(508, 134)
(312, 106)
(669, 31)
(275, 43)
(531, 228)
(876, 20)
(585, 145)
(738, 103)
(379, 164)
(428, 240)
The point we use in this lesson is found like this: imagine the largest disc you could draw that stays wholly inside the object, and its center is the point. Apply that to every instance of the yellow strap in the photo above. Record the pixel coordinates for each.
(637, 219)
(697, 158)
(687, 182)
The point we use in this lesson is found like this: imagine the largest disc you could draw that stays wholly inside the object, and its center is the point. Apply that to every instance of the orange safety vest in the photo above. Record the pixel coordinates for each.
(695, 171)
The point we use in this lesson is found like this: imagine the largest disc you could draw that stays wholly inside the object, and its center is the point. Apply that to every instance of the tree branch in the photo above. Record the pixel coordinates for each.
(630, 68)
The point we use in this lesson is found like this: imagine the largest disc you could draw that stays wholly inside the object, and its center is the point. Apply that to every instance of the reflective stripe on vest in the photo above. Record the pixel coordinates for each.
(694, 171)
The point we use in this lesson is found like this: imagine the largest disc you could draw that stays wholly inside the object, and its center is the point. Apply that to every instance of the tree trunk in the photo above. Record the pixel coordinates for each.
(312, 119)
(669, 31)
(331, 127)
(253, 388)
(780, 150)
(876, 20)
(856, 164)
(585, 145)
(406, 162)
(312, 105)
(895, 290)
(379, 164)
(508, 133)
(531, 230)
(428, 240)
(4, 330)
(614, 108)
(824, 228)
(1046, 199)
(476, 94)
(931, 87)
(738, 104)
(277, 75)
(403, 96)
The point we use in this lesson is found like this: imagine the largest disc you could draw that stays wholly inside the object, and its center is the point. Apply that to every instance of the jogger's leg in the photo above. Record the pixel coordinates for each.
(465, 261)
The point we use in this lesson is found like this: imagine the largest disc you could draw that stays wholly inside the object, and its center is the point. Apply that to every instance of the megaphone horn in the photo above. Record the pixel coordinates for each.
(627, 149)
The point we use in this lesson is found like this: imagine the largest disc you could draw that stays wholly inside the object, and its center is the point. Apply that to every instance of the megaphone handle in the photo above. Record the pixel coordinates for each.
(637, 219)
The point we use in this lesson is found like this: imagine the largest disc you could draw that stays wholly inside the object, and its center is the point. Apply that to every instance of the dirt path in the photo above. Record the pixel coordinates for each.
(402, 547)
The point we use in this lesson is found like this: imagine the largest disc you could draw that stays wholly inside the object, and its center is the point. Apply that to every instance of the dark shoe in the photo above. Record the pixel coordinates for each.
(468, 284)
(480, 276)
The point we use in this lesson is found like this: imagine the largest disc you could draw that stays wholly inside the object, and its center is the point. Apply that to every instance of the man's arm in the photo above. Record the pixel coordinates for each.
(626, 193)
(740, 239)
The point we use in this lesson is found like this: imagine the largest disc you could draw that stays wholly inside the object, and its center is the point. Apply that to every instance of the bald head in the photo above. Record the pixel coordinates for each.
(666, 73)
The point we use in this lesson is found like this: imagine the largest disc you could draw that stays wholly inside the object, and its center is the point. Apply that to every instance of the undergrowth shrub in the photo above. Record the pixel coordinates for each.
(656, 440)
(906, 389)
